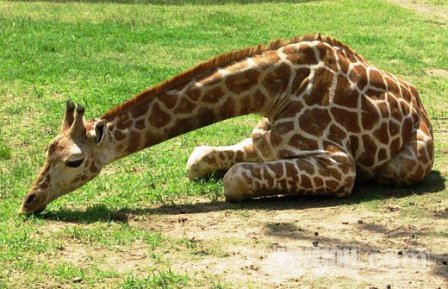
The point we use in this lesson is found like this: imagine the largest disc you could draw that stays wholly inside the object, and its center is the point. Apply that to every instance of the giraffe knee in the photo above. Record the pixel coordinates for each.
(347, 187)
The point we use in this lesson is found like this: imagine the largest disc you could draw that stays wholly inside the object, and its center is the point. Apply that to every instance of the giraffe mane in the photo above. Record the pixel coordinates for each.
(221, 60)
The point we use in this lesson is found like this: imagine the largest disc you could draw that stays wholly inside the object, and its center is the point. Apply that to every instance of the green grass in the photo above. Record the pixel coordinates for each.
(5, 151)
(102, 53)
(163, 279)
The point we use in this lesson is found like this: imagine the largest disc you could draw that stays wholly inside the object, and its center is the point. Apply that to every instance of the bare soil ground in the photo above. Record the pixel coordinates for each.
(291, 243)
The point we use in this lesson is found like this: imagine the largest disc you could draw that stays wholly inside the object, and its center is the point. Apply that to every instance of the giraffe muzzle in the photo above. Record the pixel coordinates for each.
(32, 204)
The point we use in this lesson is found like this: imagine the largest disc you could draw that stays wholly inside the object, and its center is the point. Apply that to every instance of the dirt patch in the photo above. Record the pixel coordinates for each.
(443, 73)
(438, 14)
(290, 247)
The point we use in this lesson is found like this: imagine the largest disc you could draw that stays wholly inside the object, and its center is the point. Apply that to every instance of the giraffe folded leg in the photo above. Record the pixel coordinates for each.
(412, 163)
(205, 160)
(311, 175)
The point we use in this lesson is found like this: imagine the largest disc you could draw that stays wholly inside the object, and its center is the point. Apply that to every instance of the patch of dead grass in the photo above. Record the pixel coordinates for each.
(422, 7)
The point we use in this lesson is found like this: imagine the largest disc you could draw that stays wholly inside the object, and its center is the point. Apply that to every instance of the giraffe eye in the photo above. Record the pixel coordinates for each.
(74, 164)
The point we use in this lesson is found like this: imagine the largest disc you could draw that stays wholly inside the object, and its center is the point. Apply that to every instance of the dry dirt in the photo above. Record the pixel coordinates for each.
(438, 15)
(289, 244)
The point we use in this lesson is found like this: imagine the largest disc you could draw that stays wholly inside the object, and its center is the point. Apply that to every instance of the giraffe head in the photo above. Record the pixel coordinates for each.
(74, 157)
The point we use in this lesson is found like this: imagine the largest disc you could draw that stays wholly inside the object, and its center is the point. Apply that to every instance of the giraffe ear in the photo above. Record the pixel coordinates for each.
(99, 131)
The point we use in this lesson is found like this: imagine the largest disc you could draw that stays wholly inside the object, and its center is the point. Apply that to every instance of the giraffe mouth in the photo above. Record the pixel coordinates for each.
(39, 210)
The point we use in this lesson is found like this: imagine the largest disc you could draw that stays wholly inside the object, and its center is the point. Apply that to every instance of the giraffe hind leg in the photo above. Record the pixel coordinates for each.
(326, 174)
(206, 160)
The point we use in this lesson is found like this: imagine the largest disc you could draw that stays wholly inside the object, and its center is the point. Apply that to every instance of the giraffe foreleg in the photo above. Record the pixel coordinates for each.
(205, 160)
(329, 174)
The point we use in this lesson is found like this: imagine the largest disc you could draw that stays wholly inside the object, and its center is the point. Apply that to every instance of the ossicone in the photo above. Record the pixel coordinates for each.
(74, 119)
(69, 115)
(78, 128)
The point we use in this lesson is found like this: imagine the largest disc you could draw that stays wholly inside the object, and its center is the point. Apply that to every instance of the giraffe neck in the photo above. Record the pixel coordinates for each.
(256, 80)
(210, 97)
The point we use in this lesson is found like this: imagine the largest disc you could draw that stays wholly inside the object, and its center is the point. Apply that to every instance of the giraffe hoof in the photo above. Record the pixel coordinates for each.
(196, 165)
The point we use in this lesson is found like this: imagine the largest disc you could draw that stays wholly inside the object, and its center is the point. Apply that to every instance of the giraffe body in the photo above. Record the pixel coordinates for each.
(329, 118)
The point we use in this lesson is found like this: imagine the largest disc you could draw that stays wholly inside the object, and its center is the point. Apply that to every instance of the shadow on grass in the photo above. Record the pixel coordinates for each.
(435, 182)
(173, 2)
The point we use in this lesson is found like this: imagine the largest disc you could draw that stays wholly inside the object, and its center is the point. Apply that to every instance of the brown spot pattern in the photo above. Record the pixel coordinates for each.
(367, 157)
(140, 124)
(314, 121)
(359, 77)
(193, 93)
(369, 115)
(347, 119)
(277, 81)
(292, 109)
(184, 106)
(140, 109)
(169, 100)
(321, 86)
(213, 95)
(345, 96)
(376, 79)
(124, 121)
(382, 134)
(300, 81)
(304, 54)
(134, 141)
(303, 143)
(238, 83)
(119, 135)
(227, 109)
(258, 100)
(158, 117)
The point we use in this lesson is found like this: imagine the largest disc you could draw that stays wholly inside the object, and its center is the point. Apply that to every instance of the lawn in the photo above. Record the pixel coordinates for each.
(141, 223)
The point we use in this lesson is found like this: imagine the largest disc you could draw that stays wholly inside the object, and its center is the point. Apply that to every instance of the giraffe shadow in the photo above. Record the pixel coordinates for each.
(362, 193)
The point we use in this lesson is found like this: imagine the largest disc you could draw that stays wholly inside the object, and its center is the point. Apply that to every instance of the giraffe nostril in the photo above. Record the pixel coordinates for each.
(29, 200)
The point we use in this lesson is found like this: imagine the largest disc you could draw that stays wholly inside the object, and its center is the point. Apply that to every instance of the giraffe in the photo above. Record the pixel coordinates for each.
(328, 118)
